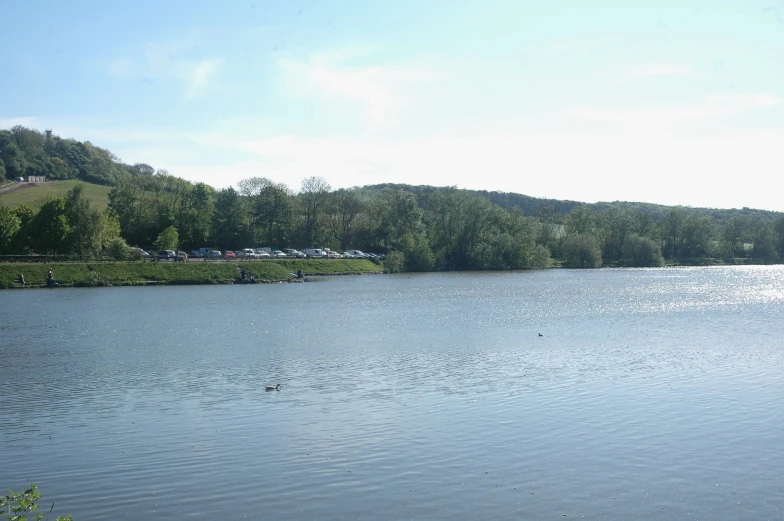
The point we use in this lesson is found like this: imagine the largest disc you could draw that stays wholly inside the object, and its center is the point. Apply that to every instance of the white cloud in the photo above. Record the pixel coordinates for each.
(659, 70)
(667, 117)
(380, 91)
(121, 68)
(752, 101)
(174, 61)
(27, 121)
(197, 75)
(645, 117)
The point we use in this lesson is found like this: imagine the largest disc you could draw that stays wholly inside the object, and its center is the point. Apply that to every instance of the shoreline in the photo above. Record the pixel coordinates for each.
(110, 274)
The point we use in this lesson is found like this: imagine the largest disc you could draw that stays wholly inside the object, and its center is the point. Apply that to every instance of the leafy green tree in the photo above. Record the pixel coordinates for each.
(732, 233)
(549, 229)
(196, 217)
(456, 221)
(615, 225)
(672, 233)
(643, 223)
(540, 258)
(393, 214)
(230, 220)
(168, 239)
(313, 197)
(764, 247)
(22, 240)
(110, 229)
(11, 155)
(85, 222)
(582, 251)
(271, 210)
(417, 255)
(118, 249)
(581, 220)
(778, 228)
(49, 230)
(343, 212)
(124, 203)
(142, 169)
(641, 252)
(697, 234)
(10, 224)
(394, 263)
(507, 242)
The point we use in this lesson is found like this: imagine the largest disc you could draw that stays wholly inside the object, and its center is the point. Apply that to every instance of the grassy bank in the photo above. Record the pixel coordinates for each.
(34, 194)
(141, 273)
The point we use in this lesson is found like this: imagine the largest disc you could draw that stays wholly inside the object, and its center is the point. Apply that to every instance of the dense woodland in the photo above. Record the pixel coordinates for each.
(420, 228)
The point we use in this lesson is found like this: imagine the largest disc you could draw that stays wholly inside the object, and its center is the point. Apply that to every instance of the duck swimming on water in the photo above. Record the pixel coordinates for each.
(272, 388)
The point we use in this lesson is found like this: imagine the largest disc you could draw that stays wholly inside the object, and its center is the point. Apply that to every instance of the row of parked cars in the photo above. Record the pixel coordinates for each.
(284, 253)
(251, 253)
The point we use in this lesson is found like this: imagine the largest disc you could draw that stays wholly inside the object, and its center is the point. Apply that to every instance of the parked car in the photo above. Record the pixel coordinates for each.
(182, 256)
(334, 255)
(293, 253)
(279, 254)
(138, 252)
(355, 254)
(196, 254)
(167, 254)
(261, 254)
(314, 253)
(228, 254)
(214, 254)
(249, 253)
(239, 254)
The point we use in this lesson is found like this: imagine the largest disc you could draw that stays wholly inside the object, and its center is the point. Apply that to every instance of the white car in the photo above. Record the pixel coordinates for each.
(279, 254)
(249, 253)
(293, 253)
(261, 254)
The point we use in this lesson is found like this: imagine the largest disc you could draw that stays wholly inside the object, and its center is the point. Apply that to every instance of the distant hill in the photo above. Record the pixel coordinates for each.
(34, 194)
(27, 152)
(533, 206)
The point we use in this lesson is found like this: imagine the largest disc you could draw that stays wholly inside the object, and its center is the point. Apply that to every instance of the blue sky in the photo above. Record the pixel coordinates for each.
(671, 102)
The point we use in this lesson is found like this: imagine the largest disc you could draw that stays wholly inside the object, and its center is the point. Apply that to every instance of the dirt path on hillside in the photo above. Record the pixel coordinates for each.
(17, 186)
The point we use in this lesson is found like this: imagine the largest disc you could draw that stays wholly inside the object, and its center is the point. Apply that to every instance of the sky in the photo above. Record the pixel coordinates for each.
(669, 102)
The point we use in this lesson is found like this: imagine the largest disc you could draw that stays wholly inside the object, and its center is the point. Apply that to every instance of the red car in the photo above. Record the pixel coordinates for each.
(228, 254)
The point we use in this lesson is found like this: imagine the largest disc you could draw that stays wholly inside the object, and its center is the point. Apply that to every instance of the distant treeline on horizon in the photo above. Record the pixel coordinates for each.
(423, 228)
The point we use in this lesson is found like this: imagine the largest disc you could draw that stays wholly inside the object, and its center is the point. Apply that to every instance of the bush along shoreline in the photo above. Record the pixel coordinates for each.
(26, 275)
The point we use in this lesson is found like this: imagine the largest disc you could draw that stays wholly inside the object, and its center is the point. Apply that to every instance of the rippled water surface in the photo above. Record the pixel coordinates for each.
(651, 394)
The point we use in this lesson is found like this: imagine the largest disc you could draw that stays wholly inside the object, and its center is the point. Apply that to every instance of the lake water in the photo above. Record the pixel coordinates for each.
(651, 394)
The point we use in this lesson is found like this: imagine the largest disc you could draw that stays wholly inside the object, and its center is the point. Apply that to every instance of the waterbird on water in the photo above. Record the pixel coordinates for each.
(541, 334)
(272, 388)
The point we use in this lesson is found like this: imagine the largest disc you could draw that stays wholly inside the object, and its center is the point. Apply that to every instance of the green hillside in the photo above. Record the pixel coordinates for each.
(35, 195)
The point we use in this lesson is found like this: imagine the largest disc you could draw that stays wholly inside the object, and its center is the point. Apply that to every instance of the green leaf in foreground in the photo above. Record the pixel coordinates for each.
(14, 506)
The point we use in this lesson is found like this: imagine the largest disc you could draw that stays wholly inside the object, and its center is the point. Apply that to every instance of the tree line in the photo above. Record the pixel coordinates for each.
(445, 228)
(419, 228)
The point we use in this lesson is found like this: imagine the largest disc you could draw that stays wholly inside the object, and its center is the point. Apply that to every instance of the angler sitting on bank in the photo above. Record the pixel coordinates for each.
(50, 279)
